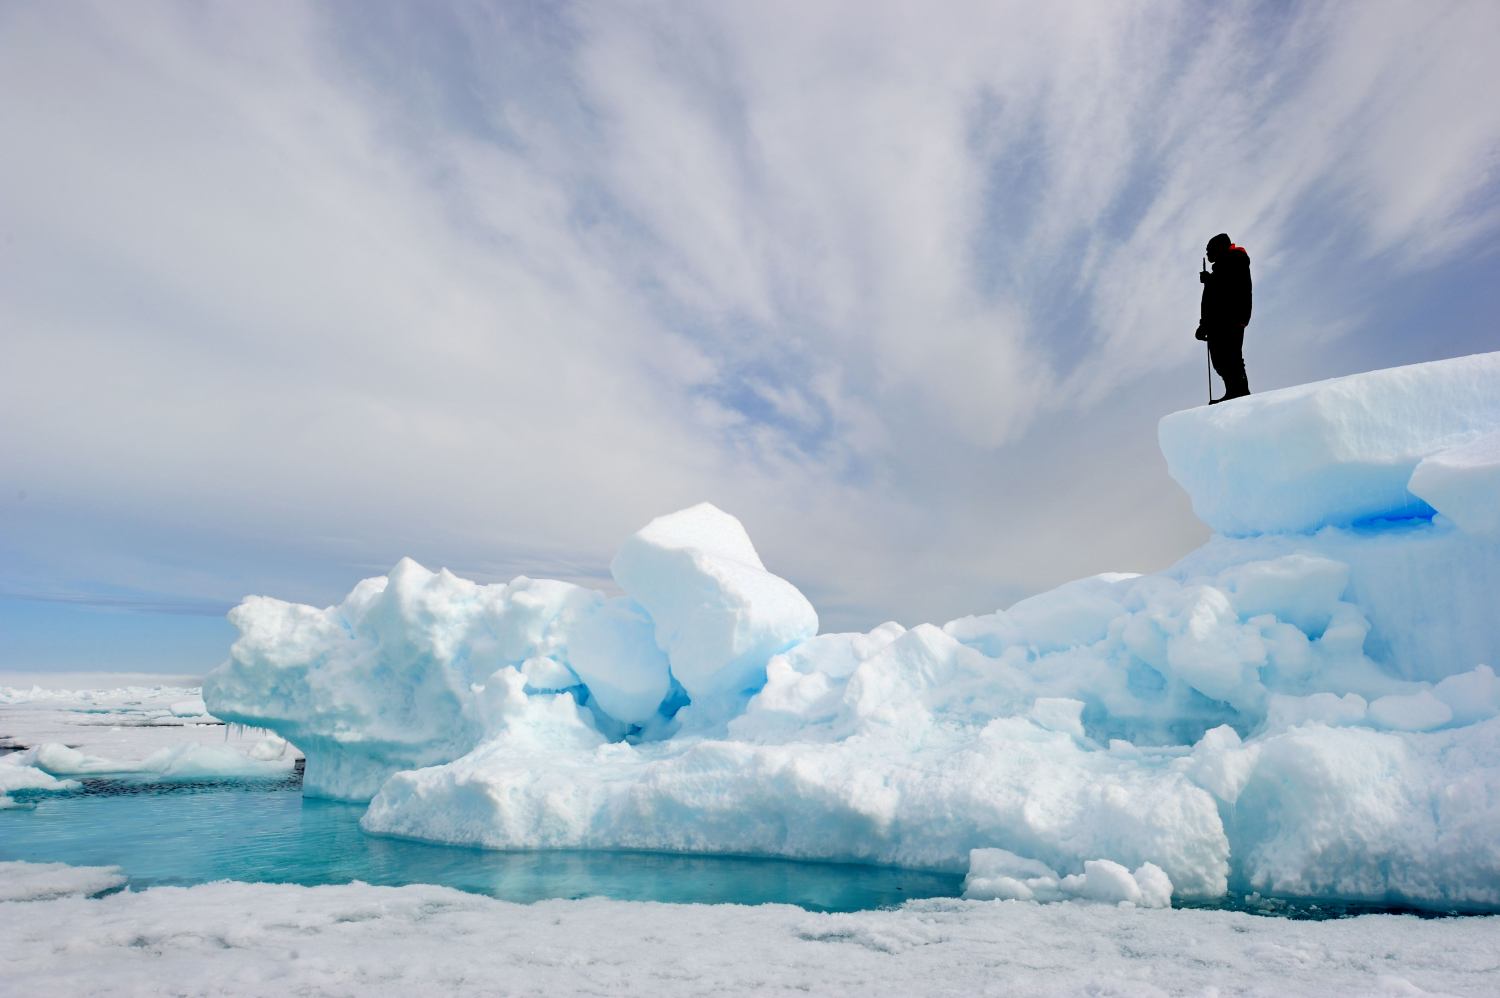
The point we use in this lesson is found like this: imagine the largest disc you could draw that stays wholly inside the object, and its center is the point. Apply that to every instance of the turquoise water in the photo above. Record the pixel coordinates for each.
(191, 833)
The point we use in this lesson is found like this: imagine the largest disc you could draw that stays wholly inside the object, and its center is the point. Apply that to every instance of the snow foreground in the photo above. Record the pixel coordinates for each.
(1303, 707)
(357, 939)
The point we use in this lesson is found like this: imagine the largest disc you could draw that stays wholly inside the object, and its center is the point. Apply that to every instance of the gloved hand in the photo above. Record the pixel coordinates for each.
(1201, 334)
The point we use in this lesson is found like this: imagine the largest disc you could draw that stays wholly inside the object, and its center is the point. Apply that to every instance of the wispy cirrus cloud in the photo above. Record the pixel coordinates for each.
(293, 287)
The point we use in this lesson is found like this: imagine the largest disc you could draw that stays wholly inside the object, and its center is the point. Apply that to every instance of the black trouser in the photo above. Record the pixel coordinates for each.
(1226, 346)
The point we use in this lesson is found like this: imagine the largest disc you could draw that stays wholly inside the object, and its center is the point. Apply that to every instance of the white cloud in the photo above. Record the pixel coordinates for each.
(902, 286)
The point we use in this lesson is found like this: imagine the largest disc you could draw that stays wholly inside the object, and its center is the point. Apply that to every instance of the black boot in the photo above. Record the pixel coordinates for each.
(1239, 389)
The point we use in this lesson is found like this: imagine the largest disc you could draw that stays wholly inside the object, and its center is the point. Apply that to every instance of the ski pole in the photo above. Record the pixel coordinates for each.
(1207, 353)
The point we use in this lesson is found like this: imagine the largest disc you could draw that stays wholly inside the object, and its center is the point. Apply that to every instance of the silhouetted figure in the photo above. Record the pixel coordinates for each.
(1226, 312)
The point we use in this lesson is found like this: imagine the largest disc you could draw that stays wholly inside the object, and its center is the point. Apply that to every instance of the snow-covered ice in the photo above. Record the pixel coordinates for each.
(177, 762)
(1304, 706)
(1333, 452)
(1462, 483)
(48, 881)
(1001, 875)
(269, 939)
(16, 776)
(62, 726)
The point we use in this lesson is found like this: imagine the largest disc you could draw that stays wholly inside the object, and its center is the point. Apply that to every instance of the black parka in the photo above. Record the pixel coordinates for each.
(1226, 292)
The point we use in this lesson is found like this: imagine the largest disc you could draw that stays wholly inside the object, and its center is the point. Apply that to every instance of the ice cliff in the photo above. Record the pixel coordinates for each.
(1304, 706)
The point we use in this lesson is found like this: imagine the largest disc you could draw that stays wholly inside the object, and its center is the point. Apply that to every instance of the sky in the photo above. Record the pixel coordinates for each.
(289, 291)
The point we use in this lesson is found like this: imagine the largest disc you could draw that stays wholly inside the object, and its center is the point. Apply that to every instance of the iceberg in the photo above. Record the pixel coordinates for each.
(1305, 706)
(719, 614)
(385, 681)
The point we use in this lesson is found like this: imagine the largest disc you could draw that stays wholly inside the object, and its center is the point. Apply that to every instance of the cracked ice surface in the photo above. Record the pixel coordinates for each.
(1304, 707)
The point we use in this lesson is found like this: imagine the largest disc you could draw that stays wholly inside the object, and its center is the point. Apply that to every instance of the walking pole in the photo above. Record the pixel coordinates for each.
(1207, 353)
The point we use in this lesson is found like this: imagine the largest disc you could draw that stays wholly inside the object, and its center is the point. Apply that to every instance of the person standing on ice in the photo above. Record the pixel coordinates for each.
(1225, 313)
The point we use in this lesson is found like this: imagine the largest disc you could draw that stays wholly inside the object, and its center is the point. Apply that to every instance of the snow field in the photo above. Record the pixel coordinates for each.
(263, 939)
